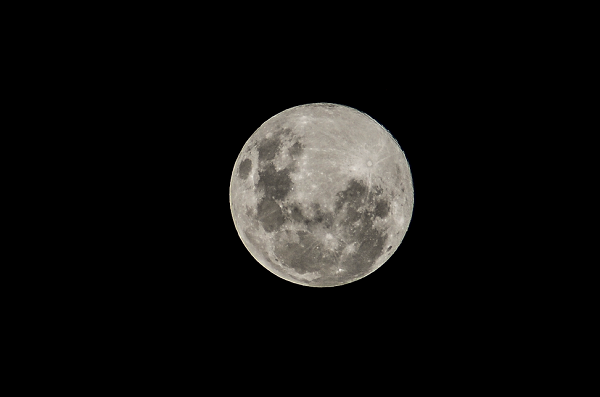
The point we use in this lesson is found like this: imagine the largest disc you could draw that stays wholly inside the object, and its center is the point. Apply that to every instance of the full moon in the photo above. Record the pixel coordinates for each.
(321, 195)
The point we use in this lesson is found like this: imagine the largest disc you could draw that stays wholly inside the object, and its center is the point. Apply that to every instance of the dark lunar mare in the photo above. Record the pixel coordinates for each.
(361, 211)
(356, 209)
(269, 215)
(296, 149)
(306, 255)
(275, 185)
(245, 168)
(382, 208)
(268, 148)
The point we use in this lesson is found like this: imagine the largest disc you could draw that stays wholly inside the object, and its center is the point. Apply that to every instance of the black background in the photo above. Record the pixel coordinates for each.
(180, 149)
(170, 116)
(150, 111)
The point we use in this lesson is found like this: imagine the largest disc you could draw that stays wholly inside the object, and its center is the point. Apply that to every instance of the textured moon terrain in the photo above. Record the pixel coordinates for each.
(321, 195)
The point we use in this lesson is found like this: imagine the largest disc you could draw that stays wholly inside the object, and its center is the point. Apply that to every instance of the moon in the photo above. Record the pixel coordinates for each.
(321, 195)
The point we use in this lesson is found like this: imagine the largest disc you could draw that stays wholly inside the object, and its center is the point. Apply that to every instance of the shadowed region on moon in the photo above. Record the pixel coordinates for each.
(314, 213)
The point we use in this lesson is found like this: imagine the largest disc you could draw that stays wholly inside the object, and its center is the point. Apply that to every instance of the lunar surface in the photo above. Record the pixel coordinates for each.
(321, 195)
